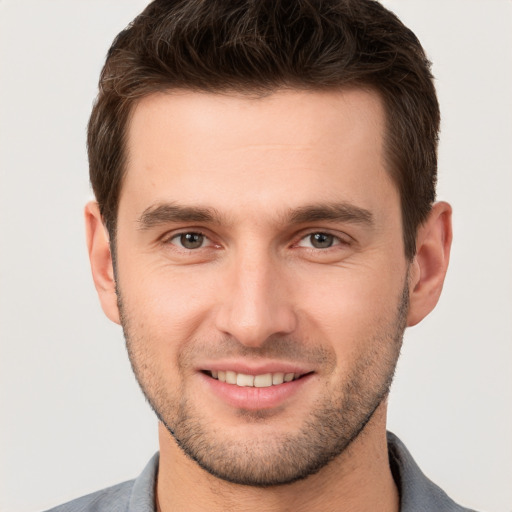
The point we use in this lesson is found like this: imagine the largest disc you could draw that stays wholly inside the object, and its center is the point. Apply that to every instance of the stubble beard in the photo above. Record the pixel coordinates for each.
(331, 426)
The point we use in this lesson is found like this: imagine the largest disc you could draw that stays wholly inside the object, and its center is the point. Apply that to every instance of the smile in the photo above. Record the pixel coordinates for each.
(264, 380)
(256, 389)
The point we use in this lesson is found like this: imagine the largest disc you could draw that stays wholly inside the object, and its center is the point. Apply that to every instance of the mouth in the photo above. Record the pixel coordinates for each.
(264, 380)
(253, 387)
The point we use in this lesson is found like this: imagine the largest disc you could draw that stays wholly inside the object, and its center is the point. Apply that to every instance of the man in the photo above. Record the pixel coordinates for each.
(264, 231)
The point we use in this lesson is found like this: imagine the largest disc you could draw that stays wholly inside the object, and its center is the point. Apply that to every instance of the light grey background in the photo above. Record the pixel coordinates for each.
(72, 418)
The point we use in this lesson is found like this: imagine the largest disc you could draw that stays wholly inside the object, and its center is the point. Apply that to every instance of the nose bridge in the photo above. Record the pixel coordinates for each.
(255, 304)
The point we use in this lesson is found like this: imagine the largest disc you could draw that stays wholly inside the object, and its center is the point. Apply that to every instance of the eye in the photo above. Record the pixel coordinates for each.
(189, 240)
(319, 240)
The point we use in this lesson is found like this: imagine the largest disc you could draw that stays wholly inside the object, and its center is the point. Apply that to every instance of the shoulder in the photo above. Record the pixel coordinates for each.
(112, 499)
(132, 496)
(417, 492)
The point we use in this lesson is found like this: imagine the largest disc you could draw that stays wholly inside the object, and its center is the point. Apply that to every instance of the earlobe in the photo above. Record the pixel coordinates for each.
(428, 269)
(101, 260)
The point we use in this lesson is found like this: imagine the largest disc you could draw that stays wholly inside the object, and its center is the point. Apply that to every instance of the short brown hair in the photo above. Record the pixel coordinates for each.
(258, 46)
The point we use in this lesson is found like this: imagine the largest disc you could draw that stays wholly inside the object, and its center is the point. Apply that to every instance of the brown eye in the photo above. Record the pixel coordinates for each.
(321, 240)
(190, 240)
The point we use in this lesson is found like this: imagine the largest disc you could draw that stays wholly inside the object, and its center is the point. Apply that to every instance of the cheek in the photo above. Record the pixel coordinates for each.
(350, 306)
(166, 305)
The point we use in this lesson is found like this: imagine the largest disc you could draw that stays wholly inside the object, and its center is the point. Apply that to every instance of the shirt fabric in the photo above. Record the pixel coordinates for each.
(417, 492)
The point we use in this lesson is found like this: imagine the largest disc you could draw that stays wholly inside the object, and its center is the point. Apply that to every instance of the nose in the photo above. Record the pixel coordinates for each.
(255, 301)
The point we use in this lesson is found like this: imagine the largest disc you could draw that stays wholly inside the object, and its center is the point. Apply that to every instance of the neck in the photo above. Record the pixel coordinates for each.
(358, 480)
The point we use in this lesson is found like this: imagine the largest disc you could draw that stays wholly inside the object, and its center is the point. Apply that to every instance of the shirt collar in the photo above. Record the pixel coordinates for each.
(416, 491)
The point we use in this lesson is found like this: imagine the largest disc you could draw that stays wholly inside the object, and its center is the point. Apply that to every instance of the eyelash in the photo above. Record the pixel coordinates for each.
(337, 240)
(168, 240)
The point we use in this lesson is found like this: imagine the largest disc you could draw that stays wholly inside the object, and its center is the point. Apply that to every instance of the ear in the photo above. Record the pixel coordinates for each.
(101, 260)
(428, 269)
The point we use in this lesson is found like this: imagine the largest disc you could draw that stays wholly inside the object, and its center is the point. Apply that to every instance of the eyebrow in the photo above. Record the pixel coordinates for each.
(337, 212)
(157, 215)
(165, 213)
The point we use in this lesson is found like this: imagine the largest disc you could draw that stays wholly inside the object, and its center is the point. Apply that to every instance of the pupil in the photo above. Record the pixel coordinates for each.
(321, 240)
(192, 240)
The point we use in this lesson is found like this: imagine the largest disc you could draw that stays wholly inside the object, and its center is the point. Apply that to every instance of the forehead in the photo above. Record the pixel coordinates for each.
(236, 151)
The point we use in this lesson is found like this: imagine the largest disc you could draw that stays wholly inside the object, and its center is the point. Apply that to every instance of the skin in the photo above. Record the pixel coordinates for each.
(258, 292)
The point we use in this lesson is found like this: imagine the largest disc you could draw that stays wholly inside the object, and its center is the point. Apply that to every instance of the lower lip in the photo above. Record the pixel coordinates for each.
(252, 398)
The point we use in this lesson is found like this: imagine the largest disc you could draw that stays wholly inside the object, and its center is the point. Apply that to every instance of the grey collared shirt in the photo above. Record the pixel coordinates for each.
(417, 492)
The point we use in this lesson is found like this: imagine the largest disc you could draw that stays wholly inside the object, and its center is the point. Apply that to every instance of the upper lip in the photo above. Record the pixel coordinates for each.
(255, 368)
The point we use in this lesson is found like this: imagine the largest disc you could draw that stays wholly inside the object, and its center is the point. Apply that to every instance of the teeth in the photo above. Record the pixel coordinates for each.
(244, 380)
(277, 378)
(263, 381)
(258, 381)
(231, 378)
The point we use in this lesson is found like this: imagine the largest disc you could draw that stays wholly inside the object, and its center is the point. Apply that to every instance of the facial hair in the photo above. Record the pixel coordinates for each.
(336, 420)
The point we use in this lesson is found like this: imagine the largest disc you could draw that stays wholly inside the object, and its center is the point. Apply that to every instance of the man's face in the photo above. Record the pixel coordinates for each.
(258, 241)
